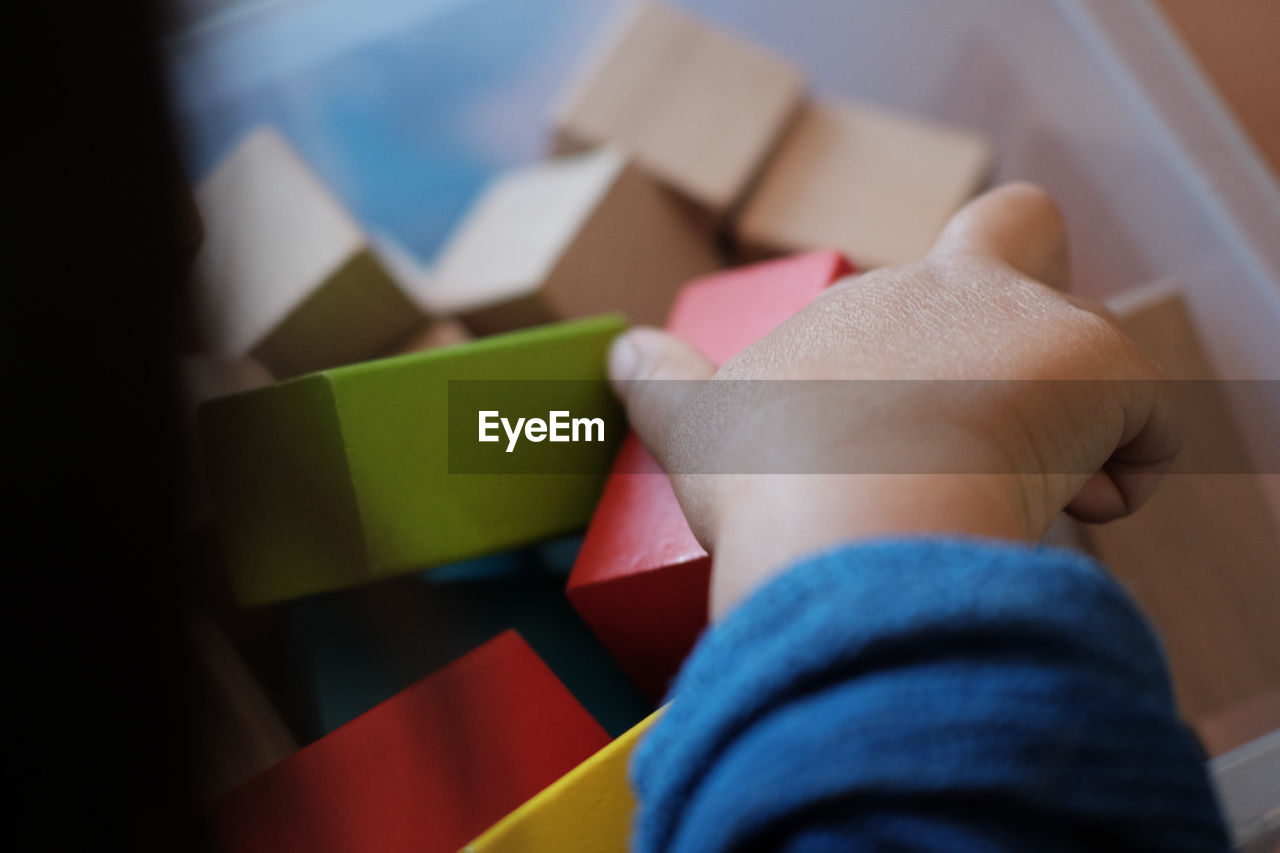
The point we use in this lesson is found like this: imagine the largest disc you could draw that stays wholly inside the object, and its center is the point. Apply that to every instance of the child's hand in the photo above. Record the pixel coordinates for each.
(982, 305)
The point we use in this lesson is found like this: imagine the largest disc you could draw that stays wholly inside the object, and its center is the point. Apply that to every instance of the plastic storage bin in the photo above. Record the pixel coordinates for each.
(406, 107)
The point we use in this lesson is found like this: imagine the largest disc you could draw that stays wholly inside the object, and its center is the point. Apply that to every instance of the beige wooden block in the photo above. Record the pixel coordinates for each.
(697, 107)
(1240, 723)
(569, 238)
(1202, 556)
(877, 185)
(434, 334)
(285, 274)
(240, 733)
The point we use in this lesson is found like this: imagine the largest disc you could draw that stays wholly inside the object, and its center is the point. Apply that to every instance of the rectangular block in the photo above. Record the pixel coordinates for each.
(697, 107)
(341, 477)
(568, 238)
(641, 578)
(425, 771)
(876, 185)
(1202, 556)
(589, 810)
(285, 274)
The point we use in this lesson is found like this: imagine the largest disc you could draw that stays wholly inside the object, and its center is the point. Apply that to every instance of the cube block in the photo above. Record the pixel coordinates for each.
(567, 238)
(697, 107)
(589, 810)
(427, 770)
(341, 477)
(641, 578)
(876, 185)
(285, 274)
(1201, 555)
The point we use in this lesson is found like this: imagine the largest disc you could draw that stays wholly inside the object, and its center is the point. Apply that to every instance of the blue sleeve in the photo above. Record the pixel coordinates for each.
(940, 694)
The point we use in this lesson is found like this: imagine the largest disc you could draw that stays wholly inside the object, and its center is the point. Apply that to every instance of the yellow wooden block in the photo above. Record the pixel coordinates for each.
(588, 810)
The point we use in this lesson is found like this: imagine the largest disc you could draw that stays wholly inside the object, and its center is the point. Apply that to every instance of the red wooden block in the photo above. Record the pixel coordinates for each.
(641, 579)
(427, 770)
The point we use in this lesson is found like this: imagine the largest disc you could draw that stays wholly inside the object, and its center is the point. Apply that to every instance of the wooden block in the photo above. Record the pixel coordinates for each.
(425, 771)
(876, 185)
(1239, 723)
(589, 810)
(341, 477)
(240, 733)
(414, 279)
(285, 274)
(698, 108)
(1202, 556)
(434, 334)
(641, 578)
(568, 238)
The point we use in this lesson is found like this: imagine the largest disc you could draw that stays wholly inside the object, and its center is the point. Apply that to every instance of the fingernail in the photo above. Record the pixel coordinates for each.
(623, 358)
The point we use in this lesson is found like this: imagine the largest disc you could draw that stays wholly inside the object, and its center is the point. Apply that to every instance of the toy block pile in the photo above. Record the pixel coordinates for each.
(680, 150)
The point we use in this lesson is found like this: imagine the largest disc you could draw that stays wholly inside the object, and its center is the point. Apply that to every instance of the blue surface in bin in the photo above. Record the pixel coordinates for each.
(359, 647)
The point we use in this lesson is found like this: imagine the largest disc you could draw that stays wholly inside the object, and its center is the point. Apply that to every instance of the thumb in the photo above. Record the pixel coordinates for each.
(638, 362)
(1018, 224)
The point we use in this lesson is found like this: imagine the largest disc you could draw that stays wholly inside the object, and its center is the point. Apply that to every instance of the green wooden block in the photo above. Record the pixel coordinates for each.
(341, 477)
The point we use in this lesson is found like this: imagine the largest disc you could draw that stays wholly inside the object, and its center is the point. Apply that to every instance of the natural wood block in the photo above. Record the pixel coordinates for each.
(1240, 723)
(341, 477)
(434, 334)
(425, 771)
(1202, 556)
(876, 185)
(589, 810)
(240, 733)
(641, 578)
(285, 274)
(568, 238)
(697, 107)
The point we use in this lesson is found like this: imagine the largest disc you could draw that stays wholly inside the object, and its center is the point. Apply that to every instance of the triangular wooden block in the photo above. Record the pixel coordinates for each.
(567, 238)
(285, 274)
(425, 771)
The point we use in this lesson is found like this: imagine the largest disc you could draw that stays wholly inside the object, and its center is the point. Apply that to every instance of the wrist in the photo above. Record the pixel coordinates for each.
(766, 523)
